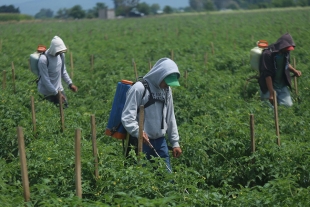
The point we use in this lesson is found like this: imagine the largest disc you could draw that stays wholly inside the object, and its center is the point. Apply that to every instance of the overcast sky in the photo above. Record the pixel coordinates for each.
(34, 6)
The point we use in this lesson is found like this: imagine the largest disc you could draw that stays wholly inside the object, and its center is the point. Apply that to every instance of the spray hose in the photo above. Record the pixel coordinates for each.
(151, 146)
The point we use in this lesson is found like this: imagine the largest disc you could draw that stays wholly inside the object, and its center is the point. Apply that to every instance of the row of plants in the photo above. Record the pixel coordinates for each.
(5, 17)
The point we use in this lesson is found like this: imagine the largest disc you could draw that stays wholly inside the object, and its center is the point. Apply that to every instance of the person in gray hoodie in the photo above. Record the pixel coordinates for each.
(52, 70)
(159, 118)
(275, 69)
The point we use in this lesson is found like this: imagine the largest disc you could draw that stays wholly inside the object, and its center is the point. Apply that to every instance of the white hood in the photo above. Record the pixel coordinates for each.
(57, 45)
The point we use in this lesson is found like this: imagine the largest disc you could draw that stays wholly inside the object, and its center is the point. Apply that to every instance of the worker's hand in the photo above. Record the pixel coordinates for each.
(176, 152)
(271, 99)
(73, 88)
(297, 73)
(145, 138)
(63, 98)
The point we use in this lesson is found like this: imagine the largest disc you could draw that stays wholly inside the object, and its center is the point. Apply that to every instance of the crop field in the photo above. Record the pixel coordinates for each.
(213, 105)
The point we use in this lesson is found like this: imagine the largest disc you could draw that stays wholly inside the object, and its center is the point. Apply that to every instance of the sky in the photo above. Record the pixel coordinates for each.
(32, 7)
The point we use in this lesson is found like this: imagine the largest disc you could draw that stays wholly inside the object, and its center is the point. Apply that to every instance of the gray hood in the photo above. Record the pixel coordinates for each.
(162, 68)
(284, 41)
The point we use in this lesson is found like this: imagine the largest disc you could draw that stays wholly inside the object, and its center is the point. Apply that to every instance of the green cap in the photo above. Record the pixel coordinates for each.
(172, 80)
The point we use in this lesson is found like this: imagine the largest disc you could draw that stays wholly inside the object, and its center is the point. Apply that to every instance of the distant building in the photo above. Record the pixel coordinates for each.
(106, 14)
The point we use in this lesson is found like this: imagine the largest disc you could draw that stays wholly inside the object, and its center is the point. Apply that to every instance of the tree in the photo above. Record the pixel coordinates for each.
(168, 10)
(98, 7)
(283, 3)
(128, 3)
(62, 13)
(208, 5)
(77, 12)
(9, 9)
(44, 13)
(144, 8)
(303, 2)
(154, 8)
(233, 5)
(123, 7)
(197, 5)
(220, 3)
(94, 12)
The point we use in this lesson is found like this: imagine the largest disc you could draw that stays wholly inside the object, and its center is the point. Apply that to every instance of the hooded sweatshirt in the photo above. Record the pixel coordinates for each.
(50, 76)
(268, 64)
(159, 118)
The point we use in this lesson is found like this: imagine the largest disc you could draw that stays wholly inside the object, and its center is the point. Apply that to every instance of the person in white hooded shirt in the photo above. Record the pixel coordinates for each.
(159, 118)
(51, 73)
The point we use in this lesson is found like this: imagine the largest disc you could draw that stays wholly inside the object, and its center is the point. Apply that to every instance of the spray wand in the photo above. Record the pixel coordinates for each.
(151, 146)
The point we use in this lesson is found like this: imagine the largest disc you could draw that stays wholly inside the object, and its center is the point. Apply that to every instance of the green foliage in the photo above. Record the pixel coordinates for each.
(154, 8)
(44, 13)
(9, 9)
(14, 17)
(212, 107)
(77, 12)
(144, 8)
(167, 10)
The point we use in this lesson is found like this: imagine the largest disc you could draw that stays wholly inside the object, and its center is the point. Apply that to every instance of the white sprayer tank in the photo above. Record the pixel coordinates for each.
(256, 53)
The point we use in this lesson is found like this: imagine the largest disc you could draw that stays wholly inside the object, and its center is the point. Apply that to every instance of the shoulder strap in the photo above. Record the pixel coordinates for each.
(46, 58)
(62, 63)
(151, 99)
(47, 62)
(146, 86)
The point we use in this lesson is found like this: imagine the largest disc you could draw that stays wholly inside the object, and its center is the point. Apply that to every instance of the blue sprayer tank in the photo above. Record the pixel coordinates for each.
(115, 127)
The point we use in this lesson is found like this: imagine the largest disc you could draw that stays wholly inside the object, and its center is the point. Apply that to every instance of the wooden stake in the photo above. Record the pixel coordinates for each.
(23, 163)
(206, 58)
(78, 182)
(252, 133)
(29, 64)
(275, 104)
(212, 46)
(150, 64)
(141, 127)
(92, 63)
(3, 79)
(295, 79)
(95, 151)
(13, 77)
(71, 61)
(186, 75)
(135, 69)
(33, 115)
(172, 55)
(61, 110)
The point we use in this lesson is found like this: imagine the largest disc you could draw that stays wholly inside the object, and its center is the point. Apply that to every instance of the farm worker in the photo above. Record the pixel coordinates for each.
(52, 70)
(159, 118)
(275, 71)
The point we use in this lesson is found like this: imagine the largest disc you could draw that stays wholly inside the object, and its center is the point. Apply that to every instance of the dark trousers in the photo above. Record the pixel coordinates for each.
(54, 99)
(160, 149)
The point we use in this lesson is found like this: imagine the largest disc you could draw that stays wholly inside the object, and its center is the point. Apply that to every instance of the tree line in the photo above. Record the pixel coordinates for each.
(124, 7)
(211, 5)
(9, 9)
